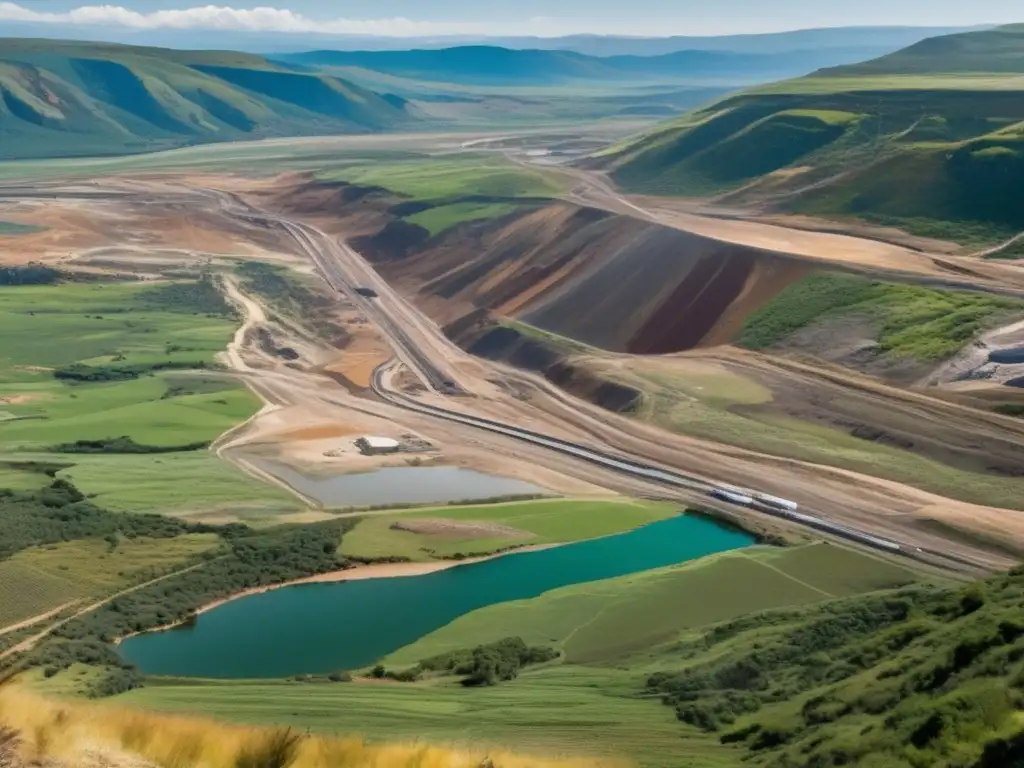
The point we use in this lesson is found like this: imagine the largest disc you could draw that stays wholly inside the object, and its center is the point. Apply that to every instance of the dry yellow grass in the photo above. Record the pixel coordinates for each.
(81, 733)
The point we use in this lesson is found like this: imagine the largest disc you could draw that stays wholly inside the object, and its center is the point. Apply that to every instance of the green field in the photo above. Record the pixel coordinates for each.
(541, 522)
(439, 179)
(618, 619)
(112, 326)
(615, 633)
(444, 217)
(38, 580)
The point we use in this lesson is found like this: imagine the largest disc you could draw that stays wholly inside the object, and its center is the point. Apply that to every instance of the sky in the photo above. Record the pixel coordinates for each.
(512, 17)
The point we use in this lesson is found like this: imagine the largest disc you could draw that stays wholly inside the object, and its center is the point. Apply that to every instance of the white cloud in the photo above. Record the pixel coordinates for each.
(267, 19)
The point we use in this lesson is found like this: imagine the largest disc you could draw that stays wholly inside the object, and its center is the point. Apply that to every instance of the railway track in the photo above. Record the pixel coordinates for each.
(668, 477)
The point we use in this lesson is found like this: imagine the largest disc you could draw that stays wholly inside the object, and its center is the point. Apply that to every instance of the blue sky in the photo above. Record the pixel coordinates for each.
(513, 17)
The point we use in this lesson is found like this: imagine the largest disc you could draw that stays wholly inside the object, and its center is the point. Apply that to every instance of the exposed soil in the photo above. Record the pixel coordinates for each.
(459, 529)
(599, 276)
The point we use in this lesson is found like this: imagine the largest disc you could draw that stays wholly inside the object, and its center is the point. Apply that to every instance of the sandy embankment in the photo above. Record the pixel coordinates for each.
(359, 573)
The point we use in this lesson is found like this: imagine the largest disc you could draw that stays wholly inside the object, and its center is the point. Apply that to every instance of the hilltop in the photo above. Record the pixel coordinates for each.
(73, 98)
(929, 138)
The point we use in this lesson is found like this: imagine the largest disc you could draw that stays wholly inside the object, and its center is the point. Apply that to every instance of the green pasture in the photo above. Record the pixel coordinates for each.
(453, 177)
(541, 522)
(106, 324)
(619, 619)
(444, 217)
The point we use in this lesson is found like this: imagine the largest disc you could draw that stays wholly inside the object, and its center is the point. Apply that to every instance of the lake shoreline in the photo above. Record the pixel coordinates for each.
(357, 573)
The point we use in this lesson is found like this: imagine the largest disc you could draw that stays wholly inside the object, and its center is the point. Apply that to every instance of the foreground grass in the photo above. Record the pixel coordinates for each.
(66, 732)
(539, 522)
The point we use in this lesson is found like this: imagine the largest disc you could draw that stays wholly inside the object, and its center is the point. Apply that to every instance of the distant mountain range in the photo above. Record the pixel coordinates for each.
(867, 41)
(495, 66)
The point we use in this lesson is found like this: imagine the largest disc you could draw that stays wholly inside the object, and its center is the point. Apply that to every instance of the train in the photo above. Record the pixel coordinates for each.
(790, 510)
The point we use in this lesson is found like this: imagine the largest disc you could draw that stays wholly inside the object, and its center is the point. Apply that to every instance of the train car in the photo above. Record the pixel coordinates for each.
(783, 505)
(732, 496)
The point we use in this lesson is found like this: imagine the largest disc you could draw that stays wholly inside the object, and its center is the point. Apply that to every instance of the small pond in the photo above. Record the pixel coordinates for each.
(319, 628)
(400, 485)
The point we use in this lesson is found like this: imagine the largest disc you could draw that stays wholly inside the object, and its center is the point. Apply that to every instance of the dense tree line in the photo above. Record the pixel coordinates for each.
(123, 444)
(483, 665)
(31, 274)
(251, 559)
(60, 512)
(193, 296)
(99, 373)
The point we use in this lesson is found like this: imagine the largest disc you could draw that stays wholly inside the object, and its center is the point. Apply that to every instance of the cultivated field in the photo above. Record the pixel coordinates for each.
(96, 362)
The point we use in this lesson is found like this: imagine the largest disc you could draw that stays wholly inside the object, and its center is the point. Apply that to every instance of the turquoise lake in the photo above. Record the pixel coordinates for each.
(321, 628)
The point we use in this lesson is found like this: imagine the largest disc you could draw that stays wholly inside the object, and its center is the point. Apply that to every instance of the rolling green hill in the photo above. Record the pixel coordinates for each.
(930, 138)
(68, 98)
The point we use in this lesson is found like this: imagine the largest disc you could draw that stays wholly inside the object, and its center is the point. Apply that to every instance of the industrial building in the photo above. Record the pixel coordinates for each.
(373, 446)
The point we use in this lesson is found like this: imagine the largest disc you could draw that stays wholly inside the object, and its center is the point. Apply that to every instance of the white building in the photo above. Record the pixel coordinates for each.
(372, 446)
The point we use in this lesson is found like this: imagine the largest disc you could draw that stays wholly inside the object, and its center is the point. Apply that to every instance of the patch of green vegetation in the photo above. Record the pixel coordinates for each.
(40, 579)
(538, 522)
(913, 322)
(153, 483)
(577, 711)
(28, 275)
(616, 619)
(919, 677)
(299, 301)
(443, 217)
(437, 179)
(488, 664)
(13, 228)
(134, 329)
(122, 444)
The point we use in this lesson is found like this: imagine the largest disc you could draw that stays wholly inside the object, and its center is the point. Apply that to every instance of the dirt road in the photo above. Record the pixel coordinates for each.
(883, 508)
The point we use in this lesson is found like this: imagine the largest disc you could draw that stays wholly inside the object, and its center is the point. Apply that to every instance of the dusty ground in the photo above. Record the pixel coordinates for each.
(309, 413)
(458, 529)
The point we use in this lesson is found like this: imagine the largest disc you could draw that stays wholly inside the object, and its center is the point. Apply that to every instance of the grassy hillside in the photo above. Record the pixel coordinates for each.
(62, 735)
(930, 138)
(68, 98)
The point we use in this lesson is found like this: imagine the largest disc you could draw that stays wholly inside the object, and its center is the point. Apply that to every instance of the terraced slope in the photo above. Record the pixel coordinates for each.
(930, 138)
(67, 98)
